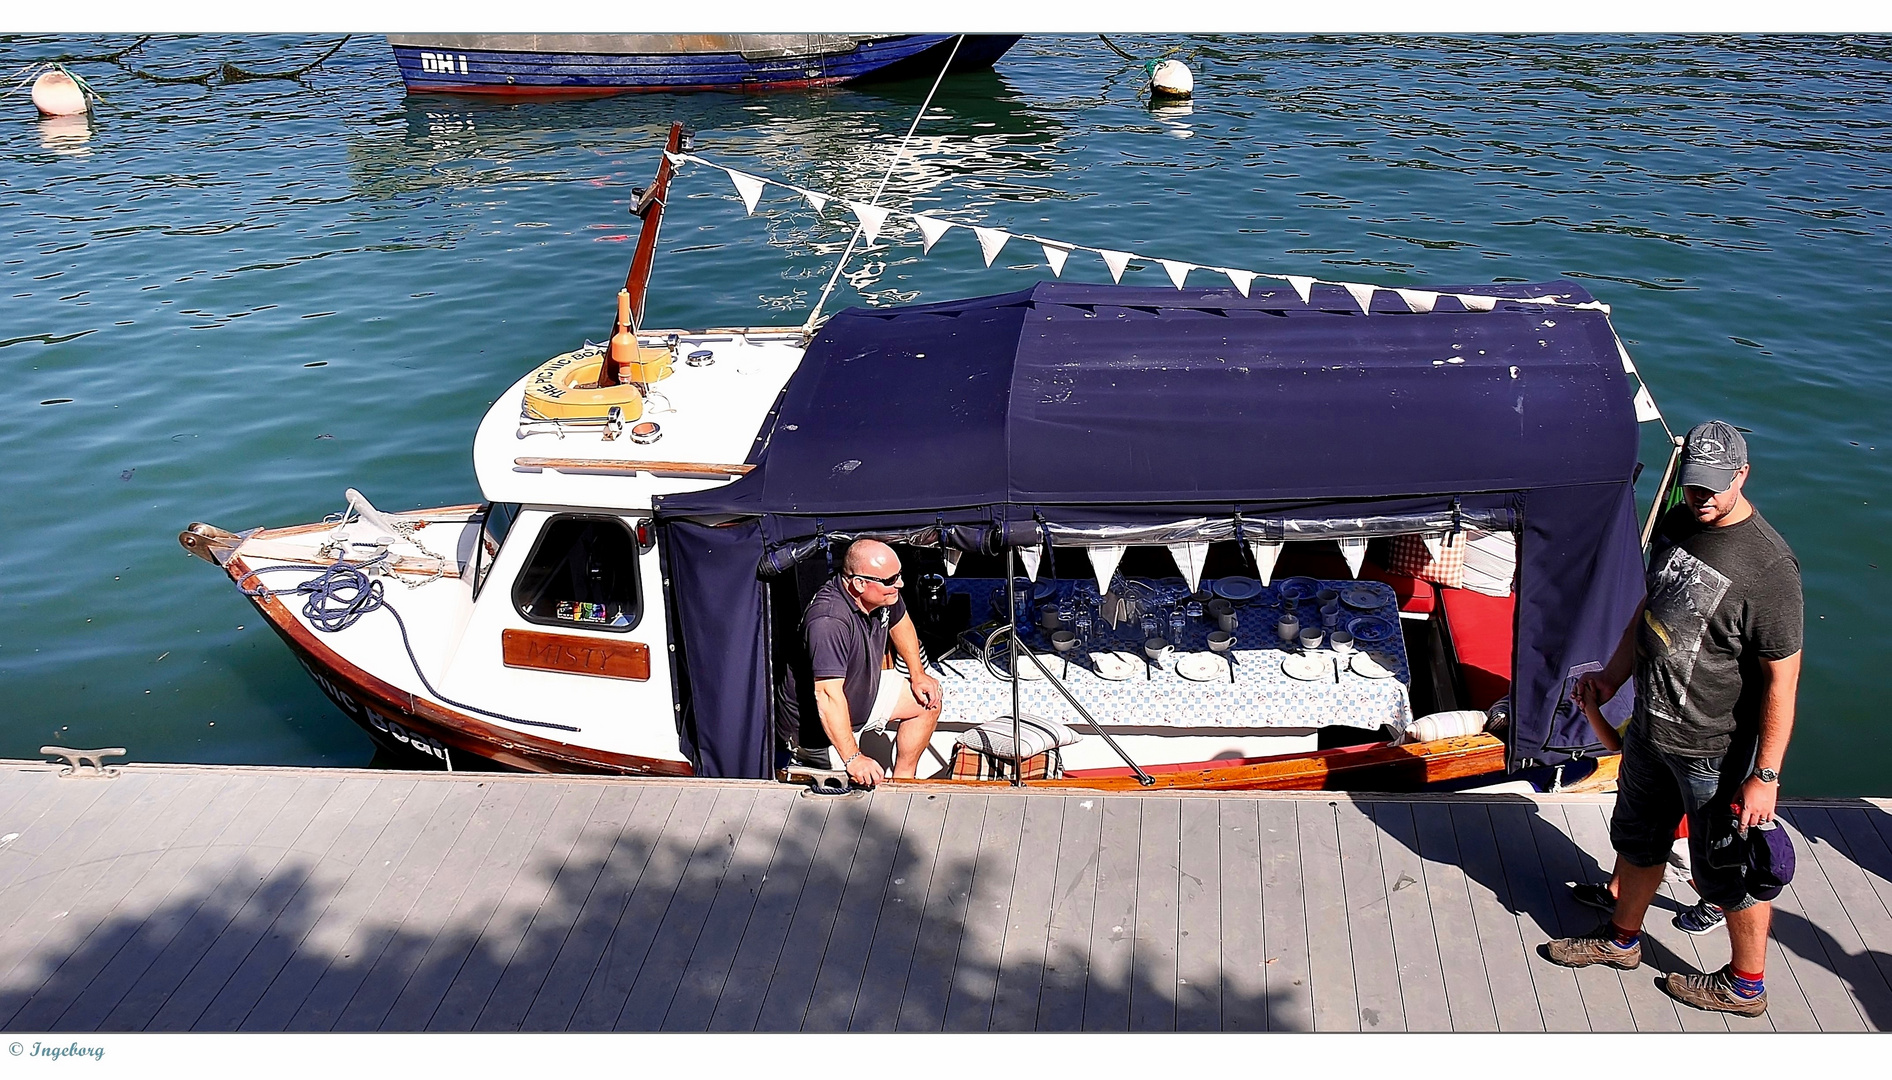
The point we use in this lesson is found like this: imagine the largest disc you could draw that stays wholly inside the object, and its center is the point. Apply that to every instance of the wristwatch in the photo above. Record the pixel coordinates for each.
(1766, 776)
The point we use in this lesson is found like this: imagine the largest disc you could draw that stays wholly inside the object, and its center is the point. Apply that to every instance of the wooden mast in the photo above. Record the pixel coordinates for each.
(650, 207)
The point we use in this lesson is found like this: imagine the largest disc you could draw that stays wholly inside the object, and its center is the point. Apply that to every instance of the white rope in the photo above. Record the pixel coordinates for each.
(815, 315)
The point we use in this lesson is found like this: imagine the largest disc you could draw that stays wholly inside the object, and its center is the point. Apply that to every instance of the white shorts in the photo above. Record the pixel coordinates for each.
(891, 683)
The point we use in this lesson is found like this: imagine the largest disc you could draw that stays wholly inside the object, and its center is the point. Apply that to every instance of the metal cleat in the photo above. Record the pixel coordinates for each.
(819, 781)
(85, 762)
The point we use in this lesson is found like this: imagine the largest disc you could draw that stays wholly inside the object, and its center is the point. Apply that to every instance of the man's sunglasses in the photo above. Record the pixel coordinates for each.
(893, 582)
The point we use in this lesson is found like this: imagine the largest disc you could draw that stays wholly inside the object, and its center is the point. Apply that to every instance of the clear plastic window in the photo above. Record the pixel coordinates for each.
(582, 573)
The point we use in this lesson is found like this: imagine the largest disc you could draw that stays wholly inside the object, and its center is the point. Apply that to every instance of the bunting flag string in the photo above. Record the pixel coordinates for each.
(932, 227)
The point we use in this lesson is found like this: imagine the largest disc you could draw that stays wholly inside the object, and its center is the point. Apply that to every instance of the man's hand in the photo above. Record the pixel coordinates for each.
(1597, 686)
(925, 688)
(865, 771)
(1757, 802)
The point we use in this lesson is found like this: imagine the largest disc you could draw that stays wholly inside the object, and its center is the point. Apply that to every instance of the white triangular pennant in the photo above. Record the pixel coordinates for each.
(1055, 256)
(815, 199)
(1362, 295)
(1265, 556)
(749, 187)
(1353, 549)
(1435, 545)
(1629, 366)
(1418, 300)
(675, 160)
(1178, 271)
(931, 229)
(1304, 286)
(1478, 303)
(871, 219)
(952, 557)
(1189, 559)
(1645, 406)
(1104, 560)
(1116, 260)
(1241, 278)
(1029, 557)
(991, 242)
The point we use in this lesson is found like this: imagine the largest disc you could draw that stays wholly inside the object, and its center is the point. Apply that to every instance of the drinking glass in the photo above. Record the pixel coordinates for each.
(1176, 627)
(1152, 625)
(1083, 626)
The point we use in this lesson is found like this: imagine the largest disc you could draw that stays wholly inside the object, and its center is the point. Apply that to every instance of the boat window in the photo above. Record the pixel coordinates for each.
(498, 519)
(582, 573)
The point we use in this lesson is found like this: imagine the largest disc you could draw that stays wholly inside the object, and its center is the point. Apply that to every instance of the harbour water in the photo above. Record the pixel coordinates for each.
(228, 300)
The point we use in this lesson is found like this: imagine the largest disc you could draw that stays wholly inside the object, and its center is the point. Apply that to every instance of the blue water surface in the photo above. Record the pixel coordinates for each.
(228, 299)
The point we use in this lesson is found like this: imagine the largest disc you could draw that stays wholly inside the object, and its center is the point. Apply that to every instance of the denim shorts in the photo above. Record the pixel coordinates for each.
(1654, 788)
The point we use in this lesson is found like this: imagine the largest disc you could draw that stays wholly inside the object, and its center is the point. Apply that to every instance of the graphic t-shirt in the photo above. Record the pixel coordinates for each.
(1721, 600)
(839, 643)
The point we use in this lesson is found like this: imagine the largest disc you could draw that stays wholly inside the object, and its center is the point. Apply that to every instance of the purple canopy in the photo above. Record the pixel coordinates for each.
(1071, 409)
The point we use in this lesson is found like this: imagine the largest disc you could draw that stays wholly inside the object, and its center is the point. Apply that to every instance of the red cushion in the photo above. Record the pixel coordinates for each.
(1482, 629)
(1415, 594)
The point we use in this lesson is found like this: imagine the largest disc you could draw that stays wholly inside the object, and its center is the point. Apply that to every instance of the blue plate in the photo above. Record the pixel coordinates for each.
(1300, 588)
(1046, 588)
(1370, 629)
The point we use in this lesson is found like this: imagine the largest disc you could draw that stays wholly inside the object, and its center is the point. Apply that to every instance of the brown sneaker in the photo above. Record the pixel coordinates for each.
(1596, 947)
(1714, 992)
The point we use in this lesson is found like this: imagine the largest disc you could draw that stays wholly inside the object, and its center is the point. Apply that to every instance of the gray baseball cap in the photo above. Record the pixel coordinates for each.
(1711, 455)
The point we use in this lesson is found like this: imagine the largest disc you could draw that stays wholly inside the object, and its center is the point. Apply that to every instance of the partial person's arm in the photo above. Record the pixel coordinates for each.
(831, 702)
(1782, 678)
(1620, 669)
(906, 645)
(1605, 734)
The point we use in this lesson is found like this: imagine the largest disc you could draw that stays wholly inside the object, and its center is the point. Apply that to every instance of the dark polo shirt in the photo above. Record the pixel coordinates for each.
(838, 642)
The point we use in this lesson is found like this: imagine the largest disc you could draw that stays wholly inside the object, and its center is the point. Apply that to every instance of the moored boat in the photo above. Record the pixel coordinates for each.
(622, 599)
(546, 64)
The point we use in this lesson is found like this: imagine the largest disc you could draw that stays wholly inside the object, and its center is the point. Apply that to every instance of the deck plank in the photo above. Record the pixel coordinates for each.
(1199, 929)
(1284, 918)
(1649, 1007)
(1024, 955)
(1468, 991)
(1376, 979)
(706, 971)
(1599, 988)
(673, 849)
(53, 816)
(250, 920)
(1513, 992)
(791, 982)
(929, 979)
(1336, 1000)
(1242, 993)
(777, 905)
(903, 905)
(111, 915)
(976, 967)
(308, 958)
(1867, 894)
(1848, 916)
(388, 974)
(513, 908)
(1113, 918)
(1521, 838)
(1154, 958)
(1420, 974)
(1068, 930)
(388, 913)
(1815, 934)
(844, 962)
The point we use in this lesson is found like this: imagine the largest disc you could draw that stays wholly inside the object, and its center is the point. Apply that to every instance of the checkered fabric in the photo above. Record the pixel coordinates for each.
(970, 764)
(1409, 556)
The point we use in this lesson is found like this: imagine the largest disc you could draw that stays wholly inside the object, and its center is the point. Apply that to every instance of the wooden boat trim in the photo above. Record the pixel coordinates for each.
(690, 469)
(457, 730)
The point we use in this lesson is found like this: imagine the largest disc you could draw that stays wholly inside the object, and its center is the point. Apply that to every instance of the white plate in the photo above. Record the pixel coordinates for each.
(1308, 666)
(1115, 666)
(1370, 666)
(1237, 588)
(1028, 671)
(1201, 667)
(1361, 597)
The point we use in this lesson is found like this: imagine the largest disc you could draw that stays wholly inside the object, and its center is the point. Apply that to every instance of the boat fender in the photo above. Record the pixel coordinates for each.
(1171, 78)
(1446, 725)
(56, 93)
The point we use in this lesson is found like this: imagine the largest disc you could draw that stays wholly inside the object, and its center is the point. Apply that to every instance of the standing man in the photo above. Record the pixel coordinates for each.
(1715, 650)
(846, 629)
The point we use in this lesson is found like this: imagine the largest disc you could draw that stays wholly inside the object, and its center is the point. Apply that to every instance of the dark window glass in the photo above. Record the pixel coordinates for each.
(582, 573)
(498, 522)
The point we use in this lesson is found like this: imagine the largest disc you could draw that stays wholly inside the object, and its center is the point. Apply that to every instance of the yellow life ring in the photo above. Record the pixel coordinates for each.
(565, 387)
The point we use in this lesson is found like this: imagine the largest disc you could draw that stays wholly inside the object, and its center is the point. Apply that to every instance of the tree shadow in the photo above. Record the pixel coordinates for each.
(539, 904)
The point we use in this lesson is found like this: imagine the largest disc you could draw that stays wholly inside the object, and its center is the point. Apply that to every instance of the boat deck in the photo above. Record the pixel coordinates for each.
(260, 899)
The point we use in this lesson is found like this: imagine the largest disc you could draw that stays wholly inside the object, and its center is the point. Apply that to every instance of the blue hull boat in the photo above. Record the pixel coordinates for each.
(566, 64)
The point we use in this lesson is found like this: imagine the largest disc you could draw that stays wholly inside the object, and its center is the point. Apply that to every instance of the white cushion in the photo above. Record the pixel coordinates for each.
(994, 737)
(1491, 562)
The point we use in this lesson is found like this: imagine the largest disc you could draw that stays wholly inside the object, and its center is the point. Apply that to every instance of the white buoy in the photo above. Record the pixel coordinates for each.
(56, 94)
(1172, 78)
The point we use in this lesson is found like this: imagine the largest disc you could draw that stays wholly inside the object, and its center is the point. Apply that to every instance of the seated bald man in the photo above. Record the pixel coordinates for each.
(846, 630)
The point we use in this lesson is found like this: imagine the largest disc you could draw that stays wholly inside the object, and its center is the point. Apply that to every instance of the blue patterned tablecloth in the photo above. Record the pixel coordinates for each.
(1261, 695)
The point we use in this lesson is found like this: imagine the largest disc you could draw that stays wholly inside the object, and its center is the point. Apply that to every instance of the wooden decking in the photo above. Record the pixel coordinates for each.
(230, 899)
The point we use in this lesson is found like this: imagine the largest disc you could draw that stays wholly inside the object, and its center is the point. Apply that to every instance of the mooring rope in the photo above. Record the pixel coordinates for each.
(340, 595)
(815, 315)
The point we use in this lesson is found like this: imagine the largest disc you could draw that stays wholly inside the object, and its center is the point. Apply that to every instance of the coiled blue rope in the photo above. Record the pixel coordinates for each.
(340, 595)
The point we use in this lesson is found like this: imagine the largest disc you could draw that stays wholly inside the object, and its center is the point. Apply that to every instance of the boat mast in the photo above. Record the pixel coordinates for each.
(649, 207)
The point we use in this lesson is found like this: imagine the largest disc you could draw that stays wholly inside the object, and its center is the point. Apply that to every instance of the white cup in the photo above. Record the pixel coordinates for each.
(1341, 641)
(1221, 640)
(1158, 649)
(1063, 640)
(1310, 637)
(1288, 628)
(1227, 622)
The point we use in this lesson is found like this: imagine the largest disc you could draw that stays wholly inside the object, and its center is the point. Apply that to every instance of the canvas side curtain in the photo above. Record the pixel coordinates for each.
(718, 609)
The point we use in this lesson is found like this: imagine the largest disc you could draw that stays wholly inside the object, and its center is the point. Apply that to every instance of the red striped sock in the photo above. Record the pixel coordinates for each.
(1746, 983)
